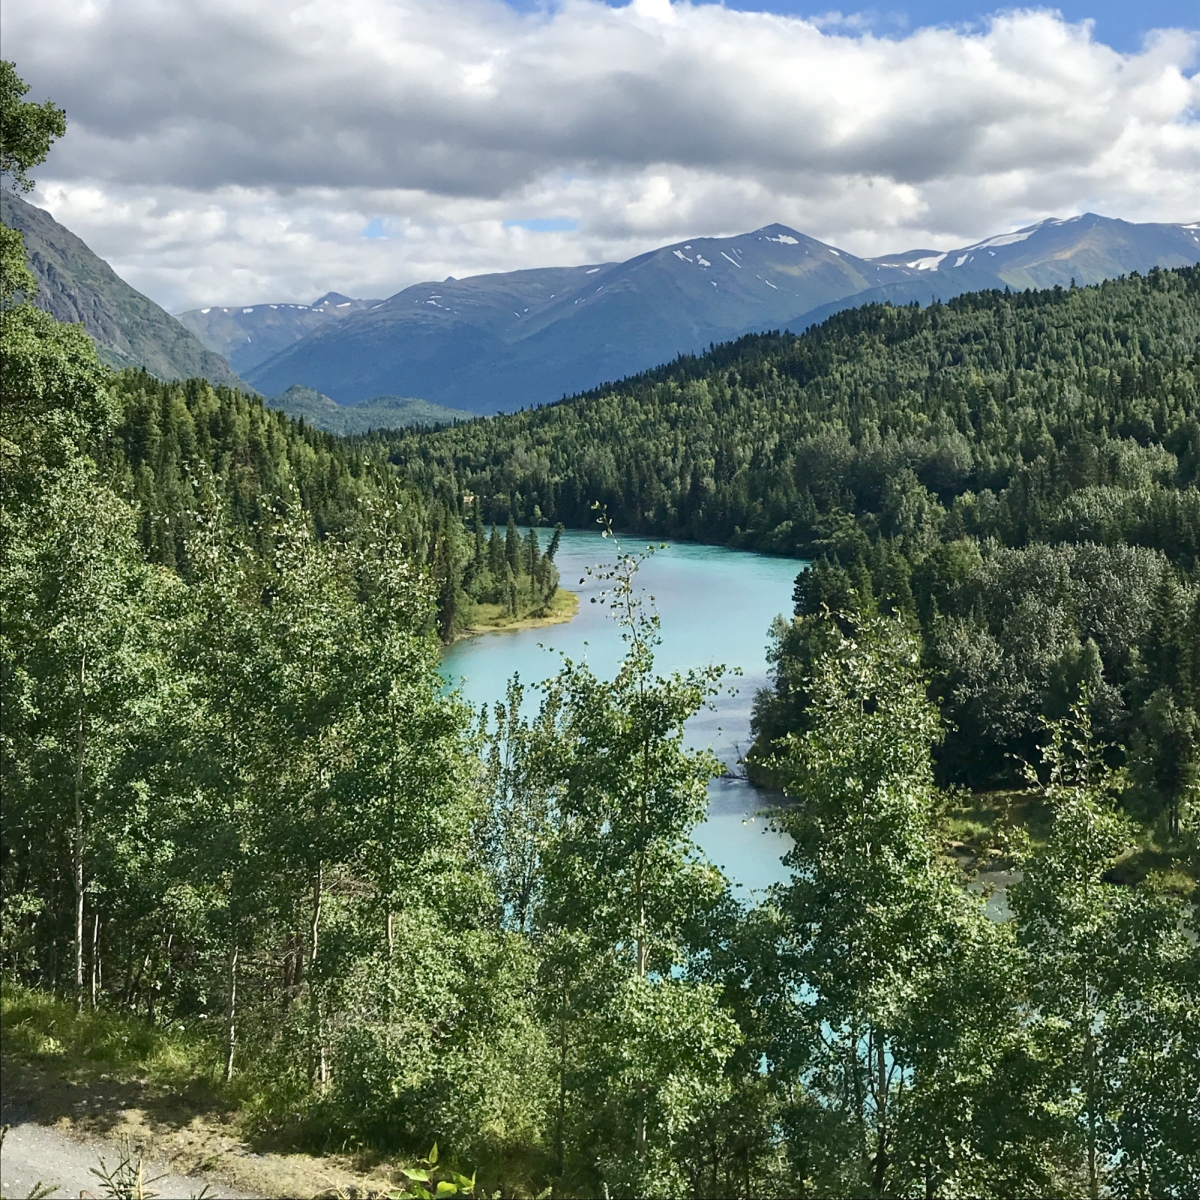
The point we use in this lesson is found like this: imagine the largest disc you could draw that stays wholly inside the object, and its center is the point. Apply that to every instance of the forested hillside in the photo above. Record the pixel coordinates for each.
(1015, 474)
(382, 412)
(241, 806)
(1068, 413)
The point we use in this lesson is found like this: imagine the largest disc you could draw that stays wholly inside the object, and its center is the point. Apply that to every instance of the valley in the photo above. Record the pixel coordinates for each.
(719, 724)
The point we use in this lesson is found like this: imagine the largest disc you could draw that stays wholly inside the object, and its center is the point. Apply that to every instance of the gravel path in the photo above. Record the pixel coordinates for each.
(34, 1153)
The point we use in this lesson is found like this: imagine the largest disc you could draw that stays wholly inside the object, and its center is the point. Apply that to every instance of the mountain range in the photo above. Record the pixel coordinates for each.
(78, 286)
(507, 341)
(247, 335)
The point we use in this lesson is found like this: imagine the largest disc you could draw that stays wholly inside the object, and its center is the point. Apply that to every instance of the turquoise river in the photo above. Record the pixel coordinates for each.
(716, 606)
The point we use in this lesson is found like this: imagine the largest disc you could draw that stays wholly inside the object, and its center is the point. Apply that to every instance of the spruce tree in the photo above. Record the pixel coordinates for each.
(512, 546)
(496, 556)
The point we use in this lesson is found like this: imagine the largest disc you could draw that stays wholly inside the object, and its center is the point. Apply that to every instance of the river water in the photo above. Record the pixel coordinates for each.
(716, 606)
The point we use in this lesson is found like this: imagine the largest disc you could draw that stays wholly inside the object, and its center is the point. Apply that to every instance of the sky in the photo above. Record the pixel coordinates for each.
(249, 151)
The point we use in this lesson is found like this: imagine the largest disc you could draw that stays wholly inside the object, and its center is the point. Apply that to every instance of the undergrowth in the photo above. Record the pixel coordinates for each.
(82, 1046)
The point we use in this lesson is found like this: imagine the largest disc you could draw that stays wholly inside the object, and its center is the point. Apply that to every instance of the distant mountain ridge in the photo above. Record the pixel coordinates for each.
(507, 341)
(381, 412)
(525, 337)
(78, 286)
(1086, 249)
(247, 335)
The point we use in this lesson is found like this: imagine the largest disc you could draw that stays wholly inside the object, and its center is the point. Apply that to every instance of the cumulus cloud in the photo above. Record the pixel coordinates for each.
(236, 150)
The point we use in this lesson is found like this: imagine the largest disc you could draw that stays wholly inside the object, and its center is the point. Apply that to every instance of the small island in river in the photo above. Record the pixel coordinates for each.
(496, 618)
(507, 583)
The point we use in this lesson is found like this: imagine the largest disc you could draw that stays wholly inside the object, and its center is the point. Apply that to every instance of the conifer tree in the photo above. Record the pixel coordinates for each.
(512, 547)
(496, 559)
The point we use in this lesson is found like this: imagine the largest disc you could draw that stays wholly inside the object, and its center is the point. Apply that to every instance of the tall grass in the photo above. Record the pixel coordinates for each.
(45, 1031)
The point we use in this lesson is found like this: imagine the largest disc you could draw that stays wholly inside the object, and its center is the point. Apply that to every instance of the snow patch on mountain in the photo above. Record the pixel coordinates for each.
(1005, 239)
(927, 264)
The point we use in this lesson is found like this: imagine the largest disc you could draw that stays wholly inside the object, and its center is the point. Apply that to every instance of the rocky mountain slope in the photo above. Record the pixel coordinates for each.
(129, 329)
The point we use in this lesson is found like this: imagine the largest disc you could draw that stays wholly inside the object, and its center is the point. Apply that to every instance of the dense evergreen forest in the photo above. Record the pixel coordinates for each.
(1015, 475)
(1056, 415)
(172, 442)
(239, 800)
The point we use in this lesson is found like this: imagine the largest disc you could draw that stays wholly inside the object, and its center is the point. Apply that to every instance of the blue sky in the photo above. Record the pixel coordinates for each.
(1119, 23)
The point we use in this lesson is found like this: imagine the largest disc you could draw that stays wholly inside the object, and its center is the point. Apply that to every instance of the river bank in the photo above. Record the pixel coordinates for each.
(492, 618)
(716, 607)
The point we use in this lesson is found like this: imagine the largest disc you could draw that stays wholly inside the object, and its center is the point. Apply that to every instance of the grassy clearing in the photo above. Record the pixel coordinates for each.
(86, 1047)
(976, 829)
(976, 833)
(492, 618)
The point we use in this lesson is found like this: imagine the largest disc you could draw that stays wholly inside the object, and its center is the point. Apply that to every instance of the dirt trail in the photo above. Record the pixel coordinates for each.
(60, 1129)
(38, 1154)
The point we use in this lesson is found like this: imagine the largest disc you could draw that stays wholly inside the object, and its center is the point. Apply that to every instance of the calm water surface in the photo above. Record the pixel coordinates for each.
(716, 607)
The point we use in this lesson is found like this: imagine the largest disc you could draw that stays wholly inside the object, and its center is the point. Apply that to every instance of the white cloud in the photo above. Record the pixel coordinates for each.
(234, 150)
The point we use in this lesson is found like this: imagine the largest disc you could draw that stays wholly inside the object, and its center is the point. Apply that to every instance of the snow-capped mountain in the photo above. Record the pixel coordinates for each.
(504, 341)
(250, 334)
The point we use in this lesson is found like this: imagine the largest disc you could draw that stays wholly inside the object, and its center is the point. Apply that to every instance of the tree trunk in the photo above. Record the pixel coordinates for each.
(320, 1065)
(880, 1165)
(231, 1014)
(95, 958)
(1089, 1056)
(1093, 1168)
(77, 838)
(860, 1098)
(314, 930)
(560, 1147)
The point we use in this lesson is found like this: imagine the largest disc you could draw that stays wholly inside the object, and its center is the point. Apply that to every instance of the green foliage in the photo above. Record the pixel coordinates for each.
(126, 1178)
(237, 796)
(423, 1182)
(1042, 415)
(906, 982)
(509, 575)
(522, 793)
(251, 837)
(15, 277)
(1113, 982)
(1013, 637)
(54, 398)
(27, 130)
